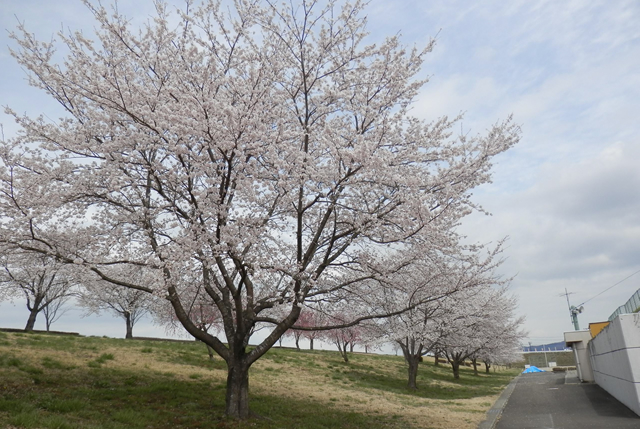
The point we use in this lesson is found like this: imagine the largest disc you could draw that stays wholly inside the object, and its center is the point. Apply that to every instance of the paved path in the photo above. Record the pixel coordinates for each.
(558, 401)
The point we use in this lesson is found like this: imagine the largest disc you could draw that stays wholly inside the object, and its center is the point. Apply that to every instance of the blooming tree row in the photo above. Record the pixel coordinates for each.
(47, 285)
(262, 154)
(484, 326)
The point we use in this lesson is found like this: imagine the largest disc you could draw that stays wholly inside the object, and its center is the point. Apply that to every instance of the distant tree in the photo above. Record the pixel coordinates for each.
(54, 311)
(372, 336)
(311, 319)
(443, 280)
(262, 145)
(501, 334)
(345, 339)
(346, 336)
(197, 307)
(481, 321)
(39, 279)
(304, 320)
(310, 326)
(128, 304)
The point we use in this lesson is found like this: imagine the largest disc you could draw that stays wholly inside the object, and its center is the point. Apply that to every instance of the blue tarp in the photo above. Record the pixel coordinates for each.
(532, 369)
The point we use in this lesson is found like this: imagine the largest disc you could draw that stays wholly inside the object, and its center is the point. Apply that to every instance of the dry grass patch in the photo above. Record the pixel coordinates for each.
(329, 382)
(416, 412)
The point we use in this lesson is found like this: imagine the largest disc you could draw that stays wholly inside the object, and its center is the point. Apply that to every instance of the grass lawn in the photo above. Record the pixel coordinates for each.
(66, 382)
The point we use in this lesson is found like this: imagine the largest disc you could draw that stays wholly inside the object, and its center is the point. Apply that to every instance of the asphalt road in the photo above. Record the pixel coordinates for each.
(554, 401)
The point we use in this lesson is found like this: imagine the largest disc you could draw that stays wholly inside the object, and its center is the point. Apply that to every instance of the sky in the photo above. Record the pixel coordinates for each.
(567, 196)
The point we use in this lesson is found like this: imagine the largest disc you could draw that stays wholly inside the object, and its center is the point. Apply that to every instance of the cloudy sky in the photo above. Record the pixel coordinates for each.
(568, 195)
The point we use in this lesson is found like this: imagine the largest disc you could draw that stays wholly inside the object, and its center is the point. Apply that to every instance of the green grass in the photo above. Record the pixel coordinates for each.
(51, 363)
(175, 385)
(97, 362)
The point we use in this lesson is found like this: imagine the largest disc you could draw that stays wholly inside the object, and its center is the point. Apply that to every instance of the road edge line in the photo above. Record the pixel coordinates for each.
(496, 411)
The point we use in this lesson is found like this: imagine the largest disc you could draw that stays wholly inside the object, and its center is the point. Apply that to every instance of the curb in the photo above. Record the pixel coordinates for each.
(496, 411)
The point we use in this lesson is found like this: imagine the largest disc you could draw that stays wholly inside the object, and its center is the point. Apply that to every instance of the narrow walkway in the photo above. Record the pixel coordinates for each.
(558, 401)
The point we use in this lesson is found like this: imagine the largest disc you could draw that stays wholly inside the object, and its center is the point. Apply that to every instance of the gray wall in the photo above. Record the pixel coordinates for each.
(615, 359)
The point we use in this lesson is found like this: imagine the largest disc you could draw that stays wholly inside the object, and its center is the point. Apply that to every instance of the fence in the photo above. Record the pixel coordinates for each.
(631, 306)
(542, 359)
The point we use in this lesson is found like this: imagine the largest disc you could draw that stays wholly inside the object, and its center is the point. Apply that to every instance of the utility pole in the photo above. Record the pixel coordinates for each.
(573, 311)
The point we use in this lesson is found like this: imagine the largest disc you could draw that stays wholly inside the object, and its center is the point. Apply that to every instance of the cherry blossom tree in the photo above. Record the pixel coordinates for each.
(126, 303)
(344, 338)
(501, 334)
(443, 279)
(482, 320)
(197, 307)
(336, 329)
(39, 279)
(309, 319)
(263, 146)
(372, 335)
(305, 319)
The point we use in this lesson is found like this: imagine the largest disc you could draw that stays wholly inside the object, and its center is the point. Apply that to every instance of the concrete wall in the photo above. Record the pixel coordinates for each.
(578, 341)
(615, 359)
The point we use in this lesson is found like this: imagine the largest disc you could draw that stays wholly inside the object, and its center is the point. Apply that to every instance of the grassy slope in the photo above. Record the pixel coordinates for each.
(65, 382)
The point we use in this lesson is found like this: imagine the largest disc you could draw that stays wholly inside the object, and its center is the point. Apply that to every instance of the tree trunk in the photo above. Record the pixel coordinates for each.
(475, 366)
(351, 347)
(487, 365)
(127, 318)
(311, 344)
(32, 319)
(33, 312)
(366, 348)
(342, 348)
(297, 342)
(412, 352)
(413, 362)
(455, 365)
(211, 352)
(344, 354)
(436, 356)
(237, 399)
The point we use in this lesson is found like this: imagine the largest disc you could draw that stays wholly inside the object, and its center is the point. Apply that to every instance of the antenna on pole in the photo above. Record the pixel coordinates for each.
(573, 311)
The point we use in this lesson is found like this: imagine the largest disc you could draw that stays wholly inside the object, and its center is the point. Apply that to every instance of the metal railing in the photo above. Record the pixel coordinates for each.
(631, 306)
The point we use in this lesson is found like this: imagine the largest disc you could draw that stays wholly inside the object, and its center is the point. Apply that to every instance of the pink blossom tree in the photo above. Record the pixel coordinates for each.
(307, 319)
(311, 319)
(262, 147)
(344, 337)
(197, 307)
